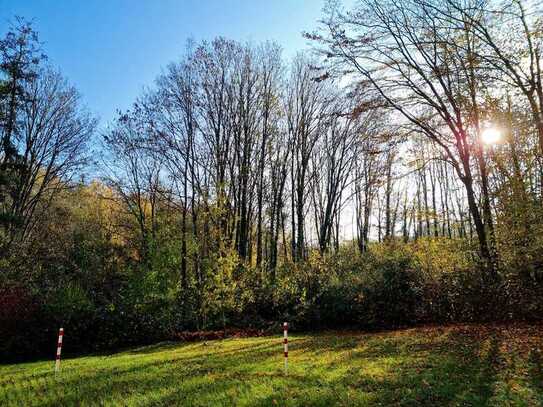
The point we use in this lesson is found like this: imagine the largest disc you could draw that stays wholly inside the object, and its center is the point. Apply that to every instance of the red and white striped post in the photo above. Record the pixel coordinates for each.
(59, 347)
(285, 344)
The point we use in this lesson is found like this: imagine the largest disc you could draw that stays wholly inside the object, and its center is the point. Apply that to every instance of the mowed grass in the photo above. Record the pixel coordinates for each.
(458, 365)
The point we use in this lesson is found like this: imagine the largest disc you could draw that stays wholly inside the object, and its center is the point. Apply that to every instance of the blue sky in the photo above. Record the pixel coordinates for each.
(111, 49)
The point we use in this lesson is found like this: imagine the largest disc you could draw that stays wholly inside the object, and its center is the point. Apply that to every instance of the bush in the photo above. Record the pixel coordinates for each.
(391, 291)
(393, 284)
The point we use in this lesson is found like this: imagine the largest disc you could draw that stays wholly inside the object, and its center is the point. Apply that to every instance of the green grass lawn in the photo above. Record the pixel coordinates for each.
(459, 365)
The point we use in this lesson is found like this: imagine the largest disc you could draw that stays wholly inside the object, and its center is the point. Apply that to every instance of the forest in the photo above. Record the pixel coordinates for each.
(391, 175)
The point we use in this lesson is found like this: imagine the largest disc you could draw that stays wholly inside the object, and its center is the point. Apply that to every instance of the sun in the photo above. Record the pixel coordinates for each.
(491, 135)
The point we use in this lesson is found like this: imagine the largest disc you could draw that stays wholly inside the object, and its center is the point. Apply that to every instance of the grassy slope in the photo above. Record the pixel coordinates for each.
(462, 365)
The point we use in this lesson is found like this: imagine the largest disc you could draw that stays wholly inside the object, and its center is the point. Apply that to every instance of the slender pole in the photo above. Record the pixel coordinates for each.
(59, 347)
(285, 344)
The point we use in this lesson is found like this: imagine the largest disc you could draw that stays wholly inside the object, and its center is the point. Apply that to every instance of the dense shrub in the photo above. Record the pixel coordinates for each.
(391, 291)
(393, 284)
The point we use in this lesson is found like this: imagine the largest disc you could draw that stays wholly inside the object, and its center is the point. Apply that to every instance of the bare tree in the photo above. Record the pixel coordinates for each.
(305, 112)
(409, 57)
(51, 146)
(134, 174)
(334, 161)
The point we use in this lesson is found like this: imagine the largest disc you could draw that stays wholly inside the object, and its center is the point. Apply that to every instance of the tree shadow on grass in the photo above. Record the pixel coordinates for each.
(428, 369)
(145, 350)
(536, 369)
(448, 372)
(224, 374)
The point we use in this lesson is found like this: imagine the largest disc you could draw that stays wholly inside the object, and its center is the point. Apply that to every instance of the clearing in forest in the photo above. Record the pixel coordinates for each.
(457, 365)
